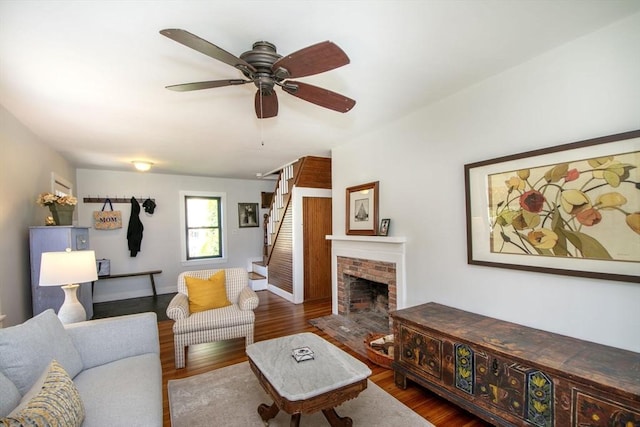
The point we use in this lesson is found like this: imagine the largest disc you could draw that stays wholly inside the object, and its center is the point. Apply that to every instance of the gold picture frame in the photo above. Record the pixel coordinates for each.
(362, 209)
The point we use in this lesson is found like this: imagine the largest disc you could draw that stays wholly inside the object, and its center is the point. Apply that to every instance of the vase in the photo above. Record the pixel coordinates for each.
(62, 214)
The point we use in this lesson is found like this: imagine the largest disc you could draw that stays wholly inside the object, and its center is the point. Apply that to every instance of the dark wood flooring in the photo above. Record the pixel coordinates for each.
(157, 304)
(276, 317)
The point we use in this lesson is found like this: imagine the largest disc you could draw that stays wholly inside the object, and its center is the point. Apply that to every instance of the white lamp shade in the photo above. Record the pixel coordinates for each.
(64, 268)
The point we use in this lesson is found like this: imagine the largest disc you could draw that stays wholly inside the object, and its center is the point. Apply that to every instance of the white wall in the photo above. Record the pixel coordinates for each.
(161, 238)
(26, 164)
(584, 89)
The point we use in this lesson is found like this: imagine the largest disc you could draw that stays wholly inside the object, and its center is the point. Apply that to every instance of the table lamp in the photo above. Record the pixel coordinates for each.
(68, 269)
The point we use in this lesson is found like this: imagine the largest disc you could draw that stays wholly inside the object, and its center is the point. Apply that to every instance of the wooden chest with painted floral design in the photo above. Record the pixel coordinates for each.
(509, 374)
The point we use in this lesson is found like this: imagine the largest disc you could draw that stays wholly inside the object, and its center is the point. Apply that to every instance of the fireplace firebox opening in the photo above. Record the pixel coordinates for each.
(367, 296)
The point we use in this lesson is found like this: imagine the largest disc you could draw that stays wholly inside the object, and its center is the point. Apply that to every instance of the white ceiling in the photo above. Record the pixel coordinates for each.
(88, 77)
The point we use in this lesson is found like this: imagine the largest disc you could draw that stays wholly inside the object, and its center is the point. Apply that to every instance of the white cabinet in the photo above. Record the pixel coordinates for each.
(56, 239)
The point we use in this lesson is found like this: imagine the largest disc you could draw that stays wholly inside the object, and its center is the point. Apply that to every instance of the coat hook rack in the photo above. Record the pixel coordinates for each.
(114, 199)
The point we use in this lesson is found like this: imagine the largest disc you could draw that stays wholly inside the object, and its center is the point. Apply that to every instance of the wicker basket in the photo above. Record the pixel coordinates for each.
(375, 356)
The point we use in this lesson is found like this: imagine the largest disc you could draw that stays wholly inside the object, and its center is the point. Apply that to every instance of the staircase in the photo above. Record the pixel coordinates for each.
(279, 205)
(308, 172)
(258, 273)
(277, 262)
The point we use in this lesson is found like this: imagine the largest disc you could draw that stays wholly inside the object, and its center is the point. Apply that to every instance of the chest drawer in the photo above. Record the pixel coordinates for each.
(420, 351)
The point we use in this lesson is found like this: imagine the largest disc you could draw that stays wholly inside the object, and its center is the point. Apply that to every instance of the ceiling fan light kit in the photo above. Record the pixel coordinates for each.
(265, 68)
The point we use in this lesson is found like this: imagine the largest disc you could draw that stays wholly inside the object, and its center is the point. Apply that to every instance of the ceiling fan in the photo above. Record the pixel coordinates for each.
(265, 68)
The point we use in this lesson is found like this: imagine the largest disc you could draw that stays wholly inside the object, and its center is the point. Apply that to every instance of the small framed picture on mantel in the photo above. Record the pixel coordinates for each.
(384, 227)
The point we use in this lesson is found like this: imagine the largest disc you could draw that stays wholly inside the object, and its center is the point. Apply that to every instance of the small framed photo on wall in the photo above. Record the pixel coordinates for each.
(248, 215)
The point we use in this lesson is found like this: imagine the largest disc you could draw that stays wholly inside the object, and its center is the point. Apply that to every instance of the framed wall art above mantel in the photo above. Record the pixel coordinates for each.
(573, 209)
(362, 209)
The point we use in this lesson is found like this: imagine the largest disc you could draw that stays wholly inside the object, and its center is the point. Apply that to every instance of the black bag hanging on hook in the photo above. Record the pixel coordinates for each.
(107, 220)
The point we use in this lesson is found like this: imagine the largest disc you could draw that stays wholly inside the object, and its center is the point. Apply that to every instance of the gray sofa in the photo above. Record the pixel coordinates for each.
(114, 365)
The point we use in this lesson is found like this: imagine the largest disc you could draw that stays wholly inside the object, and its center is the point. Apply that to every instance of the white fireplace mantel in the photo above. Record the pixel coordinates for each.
(378, 248)
(373, 239)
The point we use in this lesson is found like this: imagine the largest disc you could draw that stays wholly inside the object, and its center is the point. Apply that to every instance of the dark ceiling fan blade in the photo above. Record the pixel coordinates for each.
(205, 47)
(319, 96)
(184, 87)
(266, 104)
(314, 59)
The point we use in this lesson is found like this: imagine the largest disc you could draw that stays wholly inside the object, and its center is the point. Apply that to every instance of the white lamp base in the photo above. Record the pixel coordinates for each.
(71, 311)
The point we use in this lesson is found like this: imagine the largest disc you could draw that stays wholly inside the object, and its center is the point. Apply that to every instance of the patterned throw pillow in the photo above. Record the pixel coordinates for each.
(207, 294)
(56, 404)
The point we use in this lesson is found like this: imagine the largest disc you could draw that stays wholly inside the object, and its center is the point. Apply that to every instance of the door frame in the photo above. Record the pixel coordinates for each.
(298, 236)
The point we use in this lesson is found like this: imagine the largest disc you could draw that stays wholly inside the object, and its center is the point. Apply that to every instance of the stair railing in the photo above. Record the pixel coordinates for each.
(279, 204)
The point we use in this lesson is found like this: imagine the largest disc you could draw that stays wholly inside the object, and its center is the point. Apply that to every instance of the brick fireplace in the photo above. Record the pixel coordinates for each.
(366, 296)
(360, 283)
(374, 258)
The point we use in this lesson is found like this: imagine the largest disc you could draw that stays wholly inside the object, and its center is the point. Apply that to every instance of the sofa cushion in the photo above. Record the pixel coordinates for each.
(225, 317)
(207, 294)
(125, 392)
(106, 340)
(9, 395)
(27, 349)
(52, 401)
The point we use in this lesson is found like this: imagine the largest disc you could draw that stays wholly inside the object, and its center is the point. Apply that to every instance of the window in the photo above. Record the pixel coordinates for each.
(60, 186)
(203, 226)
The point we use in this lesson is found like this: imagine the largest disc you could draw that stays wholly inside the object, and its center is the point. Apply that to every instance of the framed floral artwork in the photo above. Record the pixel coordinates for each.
(362, 209)
(572, 209)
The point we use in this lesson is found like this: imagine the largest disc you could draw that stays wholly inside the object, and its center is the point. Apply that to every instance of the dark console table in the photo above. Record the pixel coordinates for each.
(142, 273)
(508, 374)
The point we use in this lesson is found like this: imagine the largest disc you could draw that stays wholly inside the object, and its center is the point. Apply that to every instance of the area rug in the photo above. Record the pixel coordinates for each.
(230, 397)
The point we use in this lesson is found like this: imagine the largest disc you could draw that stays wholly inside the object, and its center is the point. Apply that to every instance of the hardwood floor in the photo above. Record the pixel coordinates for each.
(276, 317)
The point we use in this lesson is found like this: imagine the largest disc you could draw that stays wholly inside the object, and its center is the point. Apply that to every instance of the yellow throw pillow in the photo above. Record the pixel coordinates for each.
(207, 294)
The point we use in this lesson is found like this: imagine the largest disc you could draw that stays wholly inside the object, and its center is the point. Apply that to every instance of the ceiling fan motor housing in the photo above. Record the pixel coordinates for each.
(262, 57)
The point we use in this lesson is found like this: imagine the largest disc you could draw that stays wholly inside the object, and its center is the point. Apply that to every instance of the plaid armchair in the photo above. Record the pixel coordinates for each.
(234, 321)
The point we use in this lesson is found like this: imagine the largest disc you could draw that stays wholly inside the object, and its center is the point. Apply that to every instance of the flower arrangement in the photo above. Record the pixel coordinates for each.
(556, 210)
(48, 199)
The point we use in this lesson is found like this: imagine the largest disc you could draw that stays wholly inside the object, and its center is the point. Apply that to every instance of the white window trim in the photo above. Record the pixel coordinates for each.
(58, 181)
(183, 238)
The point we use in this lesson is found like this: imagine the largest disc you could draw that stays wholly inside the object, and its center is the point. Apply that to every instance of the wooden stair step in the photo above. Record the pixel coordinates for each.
(255, 276)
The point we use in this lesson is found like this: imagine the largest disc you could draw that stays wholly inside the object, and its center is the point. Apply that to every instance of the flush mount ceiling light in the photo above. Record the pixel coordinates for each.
(142, 166)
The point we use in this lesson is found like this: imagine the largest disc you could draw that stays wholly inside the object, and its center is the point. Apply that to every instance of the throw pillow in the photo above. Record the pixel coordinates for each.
(27, 349)
(207, 294)
(53, 401)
